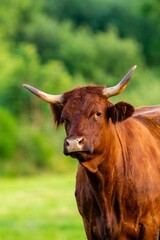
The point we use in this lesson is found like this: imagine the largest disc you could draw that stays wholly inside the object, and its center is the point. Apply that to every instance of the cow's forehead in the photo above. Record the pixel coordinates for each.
(84, 92)
(85, 99)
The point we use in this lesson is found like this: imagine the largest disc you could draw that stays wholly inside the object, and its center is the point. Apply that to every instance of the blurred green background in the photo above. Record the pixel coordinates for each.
(56, 45)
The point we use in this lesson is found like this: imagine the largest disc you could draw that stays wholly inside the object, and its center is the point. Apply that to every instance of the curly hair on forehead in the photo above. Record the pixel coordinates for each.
(76, 93)
(82, 91)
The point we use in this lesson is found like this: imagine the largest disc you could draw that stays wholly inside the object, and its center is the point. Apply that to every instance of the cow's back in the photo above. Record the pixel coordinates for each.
(150, 117)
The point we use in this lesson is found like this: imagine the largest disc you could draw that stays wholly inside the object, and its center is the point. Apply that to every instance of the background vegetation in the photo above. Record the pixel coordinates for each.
(57, 45)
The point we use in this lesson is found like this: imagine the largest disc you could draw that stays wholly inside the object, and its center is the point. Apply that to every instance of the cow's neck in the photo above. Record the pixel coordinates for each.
(109, 154)
(103, 175)
(105, 183)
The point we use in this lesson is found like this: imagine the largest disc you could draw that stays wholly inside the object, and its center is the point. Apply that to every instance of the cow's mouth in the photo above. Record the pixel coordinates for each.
(82, 156)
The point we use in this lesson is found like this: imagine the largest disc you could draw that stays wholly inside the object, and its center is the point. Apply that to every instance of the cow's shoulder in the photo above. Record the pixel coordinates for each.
(150, 118)
(148, 111)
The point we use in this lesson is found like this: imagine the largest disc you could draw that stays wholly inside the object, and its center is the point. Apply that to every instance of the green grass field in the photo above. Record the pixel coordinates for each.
(39, 208)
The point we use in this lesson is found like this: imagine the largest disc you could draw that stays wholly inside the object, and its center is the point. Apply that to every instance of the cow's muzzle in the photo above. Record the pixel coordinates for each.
(73, 145)
(76, 145)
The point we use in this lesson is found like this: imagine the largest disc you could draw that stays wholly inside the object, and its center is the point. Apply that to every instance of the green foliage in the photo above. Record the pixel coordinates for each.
(15, 15)
(15, 69)
(35, 147)
(85, 53)
(137, 19)
(115, 55)
(94, 13)
(8, 128)
(56, 78)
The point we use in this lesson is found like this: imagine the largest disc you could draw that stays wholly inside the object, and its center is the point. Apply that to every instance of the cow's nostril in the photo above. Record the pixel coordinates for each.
(80, 140)
(67, 143)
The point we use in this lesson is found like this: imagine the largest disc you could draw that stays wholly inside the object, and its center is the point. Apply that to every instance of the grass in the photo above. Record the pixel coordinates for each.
(39, 208)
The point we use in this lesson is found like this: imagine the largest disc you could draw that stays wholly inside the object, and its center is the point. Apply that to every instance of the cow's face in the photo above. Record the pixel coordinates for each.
(84, 117)
(85, 114)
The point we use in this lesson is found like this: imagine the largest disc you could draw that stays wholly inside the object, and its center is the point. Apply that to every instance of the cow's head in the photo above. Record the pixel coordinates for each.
(86, 113)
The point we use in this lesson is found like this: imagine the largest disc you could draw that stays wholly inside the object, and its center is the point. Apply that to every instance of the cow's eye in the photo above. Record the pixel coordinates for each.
(98, 114)
(66, 122)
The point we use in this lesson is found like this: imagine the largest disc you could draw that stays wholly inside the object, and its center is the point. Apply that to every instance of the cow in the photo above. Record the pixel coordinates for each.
(118, 150)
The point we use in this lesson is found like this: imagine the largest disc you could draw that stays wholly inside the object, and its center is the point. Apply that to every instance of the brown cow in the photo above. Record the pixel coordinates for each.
(118, 149)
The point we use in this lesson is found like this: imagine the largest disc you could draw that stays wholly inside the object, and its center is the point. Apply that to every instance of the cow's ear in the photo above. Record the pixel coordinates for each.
(57, 112)
(120, 111)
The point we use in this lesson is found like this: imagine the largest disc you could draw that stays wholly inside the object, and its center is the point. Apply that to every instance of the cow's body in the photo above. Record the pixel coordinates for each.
(118, 149)
(124, 202)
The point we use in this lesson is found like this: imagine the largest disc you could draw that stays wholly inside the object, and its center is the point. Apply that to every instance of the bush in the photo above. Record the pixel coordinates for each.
(17, 67)
(40, 150)
(34, 151)
(8, 131)
(90, 55)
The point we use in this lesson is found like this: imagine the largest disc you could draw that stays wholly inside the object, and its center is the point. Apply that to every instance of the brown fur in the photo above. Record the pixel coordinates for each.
(76, 93)
(118, 180)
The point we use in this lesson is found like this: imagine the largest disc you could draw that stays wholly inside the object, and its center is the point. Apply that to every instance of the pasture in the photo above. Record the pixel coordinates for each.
(39, 208)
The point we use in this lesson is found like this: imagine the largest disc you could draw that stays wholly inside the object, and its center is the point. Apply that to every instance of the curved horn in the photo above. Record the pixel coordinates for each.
(44, 96)
(112, 91)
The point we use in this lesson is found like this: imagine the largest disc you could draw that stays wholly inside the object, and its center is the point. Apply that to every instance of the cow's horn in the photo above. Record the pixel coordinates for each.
(112, 91)
(44, 96)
